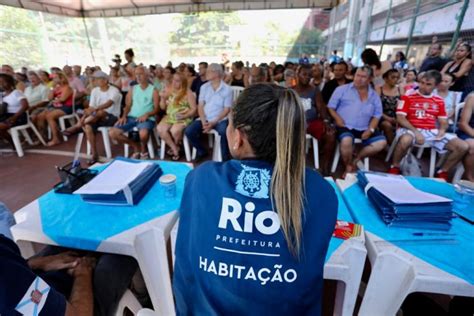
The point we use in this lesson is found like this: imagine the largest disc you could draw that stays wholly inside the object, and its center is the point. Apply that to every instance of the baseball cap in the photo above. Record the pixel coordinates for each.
(100, 74)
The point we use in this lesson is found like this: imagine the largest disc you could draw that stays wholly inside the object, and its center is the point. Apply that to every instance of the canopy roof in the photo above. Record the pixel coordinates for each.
(112, 8)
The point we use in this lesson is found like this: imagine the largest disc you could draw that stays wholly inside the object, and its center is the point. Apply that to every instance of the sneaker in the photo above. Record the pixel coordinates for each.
(442, 175)
(394, 170)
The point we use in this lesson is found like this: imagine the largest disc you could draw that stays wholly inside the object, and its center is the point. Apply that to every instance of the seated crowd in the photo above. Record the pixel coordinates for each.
(337, 104)
(376, 105)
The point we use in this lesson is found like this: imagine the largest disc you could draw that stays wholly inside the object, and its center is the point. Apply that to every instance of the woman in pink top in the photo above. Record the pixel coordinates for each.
(61, 101)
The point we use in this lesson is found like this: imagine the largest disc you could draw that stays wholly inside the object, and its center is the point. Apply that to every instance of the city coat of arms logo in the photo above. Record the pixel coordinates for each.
(253, 182)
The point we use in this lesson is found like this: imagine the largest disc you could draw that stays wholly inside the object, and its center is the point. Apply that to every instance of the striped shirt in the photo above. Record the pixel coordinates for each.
(422, 111)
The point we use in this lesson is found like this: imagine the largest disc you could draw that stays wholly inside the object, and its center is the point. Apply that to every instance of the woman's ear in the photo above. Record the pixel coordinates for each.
(237, 140)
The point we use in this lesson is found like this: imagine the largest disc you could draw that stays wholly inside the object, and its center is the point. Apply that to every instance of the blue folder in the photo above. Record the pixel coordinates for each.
(435, 216)
(138, 188)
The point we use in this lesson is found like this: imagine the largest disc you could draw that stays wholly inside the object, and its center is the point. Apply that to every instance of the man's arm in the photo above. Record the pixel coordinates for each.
(333, 105)
(81, 301)
(466, 115)
(321, 106)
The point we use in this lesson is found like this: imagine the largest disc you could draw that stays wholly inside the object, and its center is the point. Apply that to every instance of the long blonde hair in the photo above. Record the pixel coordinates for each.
(273, 119)
(183, 89)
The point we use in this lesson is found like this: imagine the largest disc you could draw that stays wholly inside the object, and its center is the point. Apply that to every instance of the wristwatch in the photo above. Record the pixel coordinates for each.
(372, 130)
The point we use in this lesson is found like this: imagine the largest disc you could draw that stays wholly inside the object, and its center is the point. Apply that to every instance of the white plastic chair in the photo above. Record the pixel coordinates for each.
(236, 91)
(71, 118)
(104, 130)
(214, 142)
(337, 156)
(457, 112)
(130, 302)
(187, 149)
(151, 149)
(15, 133)
(314, 143)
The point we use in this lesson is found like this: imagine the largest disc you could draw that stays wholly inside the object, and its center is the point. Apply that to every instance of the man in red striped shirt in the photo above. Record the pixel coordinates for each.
(422, 119)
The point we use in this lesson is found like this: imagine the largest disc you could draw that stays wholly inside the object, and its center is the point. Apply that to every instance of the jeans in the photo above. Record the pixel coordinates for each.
(194, 131)
(6, 221)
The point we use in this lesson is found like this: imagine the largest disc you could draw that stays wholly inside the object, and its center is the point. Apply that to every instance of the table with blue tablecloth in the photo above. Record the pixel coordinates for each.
(140, 231)
(406, 260)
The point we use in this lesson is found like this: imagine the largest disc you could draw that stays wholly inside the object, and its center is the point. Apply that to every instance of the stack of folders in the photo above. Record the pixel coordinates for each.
(122, 182)
(400, 204)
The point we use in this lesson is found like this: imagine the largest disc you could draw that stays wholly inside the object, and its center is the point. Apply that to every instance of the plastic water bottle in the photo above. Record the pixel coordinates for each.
(464, 196)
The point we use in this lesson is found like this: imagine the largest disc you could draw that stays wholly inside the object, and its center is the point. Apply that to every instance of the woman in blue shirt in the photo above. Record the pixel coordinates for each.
(254, 231)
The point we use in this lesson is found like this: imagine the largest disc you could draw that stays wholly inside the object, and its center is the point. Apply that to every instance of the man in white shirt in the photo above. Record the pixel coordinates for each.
(103, 110)
(215, 100)
(36, 94)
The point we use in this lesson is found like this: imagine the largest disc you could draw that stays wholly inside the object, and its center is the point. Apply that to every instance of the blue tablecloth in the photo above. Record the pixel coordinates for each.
(455, 257)
(70, 222)
(342, 214)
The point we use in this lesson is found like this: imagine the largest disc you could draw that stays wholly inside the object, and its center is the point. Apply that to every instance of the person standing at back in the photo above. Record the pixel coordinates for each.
(254, 231)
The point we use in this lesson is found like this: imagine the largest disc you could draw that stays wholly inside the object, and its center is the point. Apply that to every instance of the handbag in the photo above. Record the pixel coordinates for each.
(409, 166)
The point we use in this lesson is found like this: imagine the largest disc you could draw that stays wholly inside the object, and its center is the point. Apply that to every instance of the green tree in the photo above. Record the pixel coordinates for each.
(307, 42)
(19, 38)
(198, 34)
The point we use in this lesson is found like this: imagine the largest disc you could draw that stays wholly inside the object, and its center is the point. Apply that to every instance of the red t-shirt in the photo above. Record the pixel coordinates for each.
(422, 111)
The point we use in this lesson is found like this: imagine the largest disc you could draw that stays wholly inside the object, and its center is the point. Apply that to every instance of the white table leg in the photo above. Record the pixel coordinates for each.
(151, 254)
(347, 291)
(389, 284)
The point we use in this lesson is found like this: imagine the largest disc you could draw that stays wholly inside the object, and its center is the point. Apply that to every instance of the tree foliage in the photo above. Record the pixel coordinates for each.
(19, 44)
(202, 30)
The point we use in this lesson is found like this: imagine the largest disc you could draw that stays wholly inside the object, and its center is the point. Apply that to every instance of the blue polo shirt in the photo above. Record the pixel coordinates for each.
(356, 114)
(215, 100)
(21, 291)
(231, 255)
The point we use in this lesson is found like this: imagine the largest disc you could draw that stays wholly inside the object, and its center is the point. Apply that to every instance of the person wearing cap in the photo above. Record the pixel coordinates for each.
(103, 110)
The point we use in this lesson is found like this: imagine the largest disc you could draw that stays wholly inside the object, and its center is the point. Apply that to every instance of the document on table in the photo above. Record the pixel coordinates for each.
(400, 191)
(117, 176)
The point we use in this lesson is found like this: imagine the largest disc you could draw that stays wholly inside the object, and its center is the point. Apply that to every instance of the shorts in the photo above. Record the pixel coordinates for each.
(22, 120)
(64, 108)
(430, 138)
(107, 121)
(343, 132)
(132, 123)
(316, 128)
(463, 135)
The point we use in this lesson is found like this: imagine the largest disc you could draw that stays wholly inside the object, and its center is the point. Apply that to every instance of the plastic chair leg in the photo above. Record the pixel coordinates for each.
(315, 153)
(187, 149)
(107, 146)
(35, 130)
(432, 162)
(16, 141)
(337, 155)
(25, 134)
(162, 149)
(77, 148)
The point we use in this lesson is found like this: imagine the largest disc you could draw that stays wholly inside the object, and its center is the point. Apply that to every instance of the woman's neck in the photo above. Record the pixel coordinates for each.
(443, 93)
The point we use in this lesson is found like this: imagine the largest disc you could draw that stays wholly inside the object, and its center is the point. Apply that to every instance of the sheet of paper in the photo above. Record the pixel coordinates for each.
(400, 191)
(114, 178)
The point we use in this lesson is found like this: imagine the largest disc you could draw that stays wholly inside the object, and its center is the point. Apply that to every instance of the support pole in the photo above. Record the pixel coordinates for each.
(412, 27)
(389, 14)
(458, 27)
(88, 38)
